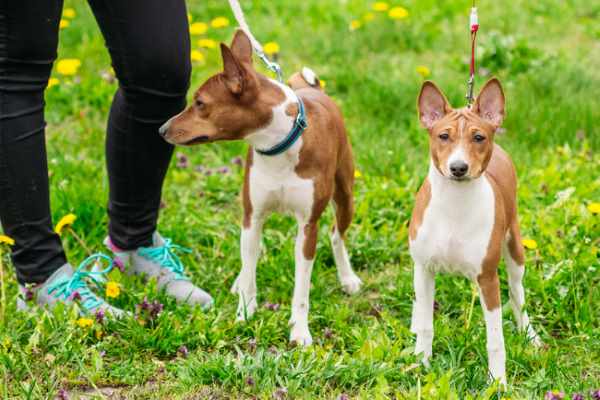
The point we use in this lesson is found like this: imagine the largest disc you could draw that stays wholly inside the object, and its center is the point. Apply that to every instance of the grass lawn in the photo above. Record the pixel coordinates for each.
(546, 54)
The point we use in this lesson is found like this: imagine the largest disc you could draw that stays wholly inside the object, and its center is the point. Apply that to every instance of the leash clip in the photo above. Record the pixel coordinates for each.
(272, 65)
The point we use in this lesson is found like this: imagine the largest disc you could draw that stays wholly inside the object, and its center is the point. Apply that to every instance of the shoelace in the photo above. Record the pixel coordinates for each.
(166, 257)
(66, 287)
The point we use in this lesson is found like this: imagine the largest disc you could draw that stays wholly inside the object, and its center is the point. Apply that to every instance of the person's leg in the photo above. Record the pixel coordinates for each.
(149, 44)
(28, 41)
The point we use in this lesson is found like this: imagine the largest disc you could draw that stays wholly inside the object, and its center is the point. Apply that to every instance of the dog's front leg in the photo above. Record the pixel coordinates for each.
(422, 316)
(489, 293)
(245, 284)
(306, 244)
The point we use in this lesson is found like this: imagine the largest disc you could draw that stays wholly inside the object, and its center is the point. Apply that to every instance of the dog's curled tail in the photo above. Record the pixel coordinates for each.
(305, 79)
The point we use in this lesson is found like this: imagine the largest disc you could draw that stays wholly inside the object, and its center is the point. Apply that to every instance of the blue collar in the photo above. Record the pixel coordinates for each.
(300, 124)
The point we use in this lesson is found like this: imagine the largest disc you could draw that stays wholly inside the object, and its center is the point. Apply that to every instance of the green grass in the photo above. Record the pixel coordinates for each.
(546, 54)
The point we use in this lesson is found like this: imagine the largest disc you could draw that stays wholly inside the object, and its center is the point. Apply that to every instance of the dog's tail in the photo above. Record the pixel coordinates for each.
(305, 79)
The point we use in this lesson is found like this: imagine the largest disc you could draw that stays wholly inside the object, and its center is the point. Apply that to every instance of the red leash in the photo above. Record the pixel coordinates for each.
(474, 27)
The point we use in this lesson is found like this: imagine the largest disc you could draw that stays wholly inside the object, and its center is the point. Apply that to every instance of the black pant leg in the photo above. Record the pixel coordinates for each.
(28, 41)
(150, 48)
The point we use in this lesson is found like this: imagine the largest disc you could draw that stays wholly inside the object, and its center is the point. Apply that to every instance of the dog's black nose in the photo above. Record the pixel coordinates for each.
(459, 168)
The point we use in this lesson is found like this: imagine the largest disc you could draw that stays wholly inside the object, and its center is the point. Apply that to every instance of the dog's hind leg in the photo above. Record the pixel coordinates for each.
(514, 258)
(343, 203)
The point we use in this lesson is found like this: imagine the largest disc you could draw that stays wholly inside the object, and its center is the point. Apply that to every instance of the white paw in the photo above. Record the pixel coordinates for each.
(351, 284)
(235, 287)
(245, 311)
(300, 335)
(534, 338)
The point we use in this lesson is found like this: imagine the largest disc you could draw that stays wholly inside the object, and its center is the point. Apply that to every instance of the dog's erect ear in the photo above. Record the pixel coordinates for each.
(241, 47)
(490, 103)
(232, 70)
(432, 104)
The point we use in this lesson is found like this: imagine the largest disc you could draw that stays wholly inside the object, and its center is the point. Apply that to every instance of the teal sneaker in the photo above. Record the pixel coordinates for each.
(161, 261)
(70, 286)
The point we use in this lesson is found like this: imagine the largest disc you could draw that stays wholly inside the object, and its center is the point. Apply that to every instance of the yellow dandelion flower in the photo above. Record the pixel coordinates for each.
(112, 289)
(219, 22)
(368, 17)
(398, 13)
(69, 13)
(355, 24)
(85, 322)
(380, 6)
(52, 82)
(7, 240)
(529, 244)
(198, 28)
(207, 43)
(594, 208)
(423, 71)
(323, 83)
(197, 56)
(357, 174)
(271, 48)
(7, 342)
(64, 222)
(99, 334)
(68, 66)
(189, 17)
(64, 23)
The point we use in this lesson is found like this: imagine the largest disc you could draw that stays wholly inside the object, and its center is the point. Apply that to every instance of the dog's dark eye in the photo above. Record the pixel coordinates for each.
(478, 137)
(444, 136)
(199, 103)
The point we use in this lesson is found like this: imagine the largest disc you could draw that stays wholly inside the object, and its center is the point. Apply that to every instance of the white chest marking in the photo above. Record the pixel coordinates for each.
(456, 227)
(274, 183)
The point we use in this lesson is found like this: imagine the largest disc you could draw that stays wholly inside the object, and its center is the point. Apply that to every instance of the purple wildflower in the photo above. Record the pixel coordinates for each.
(199, 168)
(280, 393)
(343, 396)
(120, 264)
(250, 381)
(272, 306)
(224, 170)
(554, 395)
(595, 394)
(75, 296)
(62, 395)
(28, 293)
(252, 345)
(327, 333)
(436, 306)
(237, 161)
(155, 309)
(208, 172)
(182, 160)
(144, 305)
(577, 396)
(100, 315)
(102, 353)
(183, 351)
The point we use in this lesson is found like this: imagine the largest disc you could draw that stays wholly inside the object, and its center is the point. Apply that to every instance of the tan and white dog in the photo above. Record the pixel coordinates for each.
(465, 216)
(317, 169)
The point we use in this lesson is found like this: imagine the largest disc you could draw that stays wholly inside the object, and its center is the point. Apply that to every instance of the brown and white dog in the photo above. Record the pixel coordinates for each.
(240, 103)
(465, 216)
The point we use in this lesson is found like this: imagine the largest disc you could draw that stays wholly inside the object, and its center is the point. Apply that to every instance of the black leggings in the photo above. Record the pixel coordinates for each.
(149, 43)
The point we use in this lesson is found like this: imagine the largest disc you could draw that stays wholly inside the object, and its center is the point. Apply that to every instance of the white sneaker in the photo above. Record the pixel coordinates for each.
(161, 262)
(70, 286)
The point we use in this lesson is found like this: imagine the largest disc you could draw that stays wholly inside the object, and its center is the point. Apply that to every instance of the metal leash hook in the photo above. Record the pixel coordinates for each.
(258, 49)
(474, 27)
